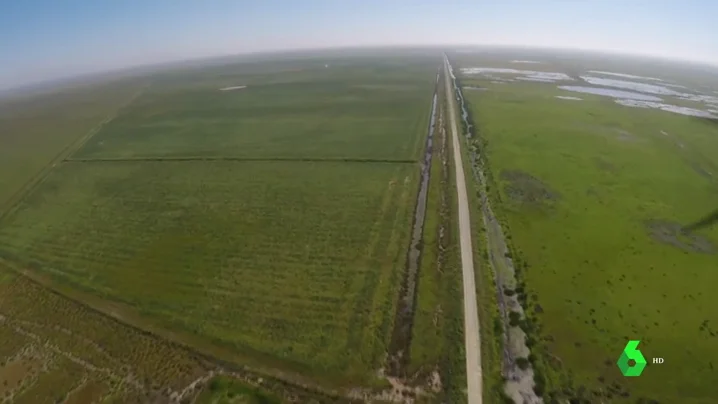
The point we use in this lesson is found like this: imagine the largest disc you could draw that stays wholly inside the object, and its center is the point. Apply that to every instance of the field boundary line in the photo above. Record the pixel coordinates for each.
(81, 142)
(128, 316)
(471, 313)
(239, 159)
(67, 151)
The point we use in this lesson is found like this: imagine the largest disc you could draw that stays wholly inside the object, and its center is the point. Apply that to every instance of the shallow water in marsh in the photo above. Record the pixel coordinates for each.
(631, 85)
(537, 79)
(460, 98)
(531, 74)
(232, 88)
(624, 75)
(661, 90)
(610, 92)
(668, 108)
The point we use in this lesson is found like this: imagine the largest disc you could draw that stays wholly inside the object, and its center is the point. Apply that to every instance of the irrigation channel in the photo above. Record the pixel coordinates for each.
(404, 319)
(519, 382)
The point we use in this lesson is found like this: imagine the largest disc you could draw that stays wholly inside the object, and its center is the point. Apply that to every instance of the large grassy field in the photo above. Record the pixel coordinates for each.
(266, 227)
(593, 194)
(341, 109)
(298, 260)
(34, 131)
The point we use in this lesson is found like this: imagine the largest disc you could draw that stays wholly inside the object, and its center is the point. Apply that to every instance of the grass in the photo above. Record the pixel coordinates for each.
(54, 384)
(295, 260)
(594, 269)
(73, 346)
(66, 349)
(263, 228)
(361, 110)
(224, 390)
(34, 132)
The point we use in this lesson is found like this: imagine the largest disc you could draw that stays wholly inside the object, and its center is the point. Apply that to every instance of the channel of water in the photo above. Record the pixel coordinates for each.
(401, 337)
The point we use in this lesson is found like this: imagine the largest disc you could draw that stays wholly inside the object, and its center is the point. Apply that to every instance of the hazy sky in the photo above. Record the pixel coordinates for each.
(46, 39)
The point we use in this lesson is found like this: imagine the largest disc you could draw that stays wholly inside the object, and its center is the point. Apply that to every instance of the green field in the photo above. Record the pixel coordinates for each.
(265, 227)
(361, 109)
(592, 194)
(36, 130)
(298, 260)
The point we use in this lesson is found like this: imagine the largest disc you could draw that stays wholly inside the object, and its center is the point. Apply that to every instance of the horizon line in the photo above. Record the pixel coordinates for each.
(98, 74)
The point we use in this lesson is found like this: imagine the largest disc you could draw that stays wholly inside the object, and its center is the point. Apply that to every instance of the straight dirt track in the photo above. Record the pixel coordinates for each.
(471, 316)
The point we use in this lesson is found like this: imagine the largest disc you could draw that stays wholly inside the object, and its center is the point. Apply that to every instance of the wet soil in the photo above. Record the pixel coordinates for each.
(465, 117)
(20, 371)
(526, 189)
(626, 136)
(401, 337)
(605, 165)
(711, 219)
(709, 121)
(700, 170)
(694, 159)
(593, 193)
(399, 391)
(89, 392)
(676, 235)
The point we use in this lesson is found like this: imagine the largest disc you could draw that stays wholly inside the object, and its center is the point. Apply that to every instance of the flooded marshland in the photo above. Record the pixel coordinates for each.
(627, 89)
(668, 108)
(609, 92)
(232, 88)
(523, 74)
(624, 75)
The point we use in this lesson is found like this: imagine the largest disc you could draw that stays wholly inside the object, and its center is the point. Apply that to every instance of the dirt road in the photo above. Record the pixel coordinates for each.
(471, 313)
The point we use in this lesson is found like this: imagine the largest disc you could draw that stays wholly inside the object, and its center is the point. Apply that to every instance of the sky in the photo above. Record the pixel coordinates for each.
(49, 39)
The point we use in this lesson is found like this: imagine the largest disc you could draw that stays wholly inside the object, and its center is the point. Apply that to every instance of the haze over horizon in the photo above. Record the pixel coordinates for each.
(47, 40)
